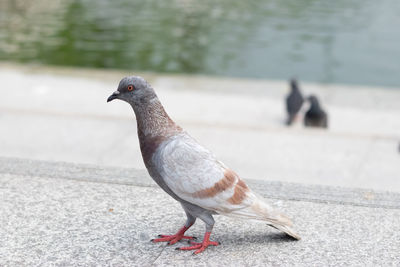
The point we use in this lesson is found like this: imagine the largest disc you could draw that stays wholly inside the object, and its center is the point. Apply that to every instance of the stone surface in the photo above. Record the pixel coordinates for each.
(61, 218)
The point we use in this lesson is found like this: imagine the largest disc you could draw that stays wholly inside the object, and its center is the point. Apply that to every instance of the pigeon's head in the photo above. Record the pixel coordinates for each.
(313, 101)
(134, 90)
(293, 85)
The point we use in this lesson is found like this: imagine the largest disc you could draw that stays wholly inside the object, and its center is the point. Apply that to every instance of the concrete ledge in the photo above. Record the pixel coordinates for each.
(268, 189)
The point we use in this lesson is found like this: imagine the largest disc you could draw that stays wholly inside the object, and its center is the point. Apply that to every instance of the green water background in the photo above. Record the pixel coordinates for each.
(341, 41)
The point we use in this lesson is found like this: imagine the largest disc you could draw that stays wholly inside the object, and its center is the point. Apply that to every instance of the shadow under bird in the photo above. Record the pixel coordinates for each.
(294, 102)
(188, 172)
(315, 115)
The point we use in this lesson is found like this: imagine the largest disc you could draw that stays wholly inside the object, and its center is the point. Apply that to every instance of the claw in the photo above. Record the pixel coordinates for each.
(172, 239)
(200, 247)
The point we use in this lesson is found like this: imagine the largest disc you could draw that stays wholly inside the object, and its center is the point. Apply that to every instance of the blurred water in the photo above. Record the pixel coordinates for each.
(341, 41)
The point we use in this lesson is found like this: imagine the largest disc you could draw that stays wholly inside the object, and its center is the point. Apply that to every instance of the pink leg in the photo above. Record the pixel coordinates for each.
(172, 239)
(200, 247)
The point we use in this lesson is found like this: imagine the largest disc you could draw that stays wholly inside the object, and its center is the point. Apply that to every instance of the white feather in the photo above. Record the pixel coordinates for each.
(187, 167)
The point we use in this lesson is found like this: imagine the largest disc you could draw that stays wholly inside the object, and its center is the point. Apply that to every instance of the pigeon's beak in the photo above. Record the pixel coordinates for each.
(113, 96)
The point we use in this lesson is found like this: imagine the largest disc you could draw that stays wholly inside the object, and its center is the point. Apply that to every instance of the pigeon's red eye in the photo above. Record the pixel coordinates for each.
(130, 87)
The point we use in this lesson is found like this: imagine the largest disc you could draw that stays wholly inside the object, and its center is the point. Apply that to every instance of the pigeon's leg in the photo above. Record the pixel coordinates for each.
(172, 239)
(200, 247)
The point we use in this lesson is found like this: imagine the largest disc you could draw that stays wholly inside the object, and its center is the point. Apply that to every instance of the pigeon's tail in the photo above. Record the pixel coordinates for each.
(291, 118)
(259, 210)
(274, 218)
(288, 230)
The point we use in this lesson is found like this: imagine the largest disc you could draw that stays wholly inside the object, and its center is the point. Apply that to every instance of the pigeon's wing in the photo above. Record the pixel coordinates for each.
(195, 175)
(294, 102)
(289, 103)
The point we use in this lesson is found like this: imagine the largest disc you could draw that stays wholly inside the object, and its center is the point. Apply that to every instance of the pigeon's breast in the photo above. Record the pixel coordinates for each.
(148, 146)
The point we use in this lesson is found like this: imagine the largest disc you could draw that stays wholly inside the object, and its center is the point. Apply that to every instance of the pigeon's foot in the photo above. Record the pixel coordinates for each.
(172, 239)
(200, 247)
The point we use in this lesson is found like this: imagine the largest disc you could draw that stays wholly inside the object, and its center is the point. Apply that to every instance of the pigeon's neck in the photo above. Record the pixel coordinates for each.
(153, 121)
(154, 127)
(315, 106)
(295, 90)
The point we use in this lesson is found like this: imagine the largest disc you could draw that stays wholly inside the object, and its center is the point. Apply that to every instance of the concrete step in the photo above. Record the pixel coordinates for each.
(73, 214)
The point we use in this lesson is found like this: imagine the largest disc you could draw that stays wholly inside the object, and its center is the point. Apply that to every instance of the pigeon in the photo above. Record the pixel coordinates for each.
(315, 116)
(294, 101)
(190, 173)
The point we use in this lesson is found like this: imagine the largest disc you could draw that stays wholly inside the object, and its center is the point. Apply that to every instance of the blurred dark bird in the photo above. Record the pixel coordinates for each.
(294, 101)
(315, 116)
